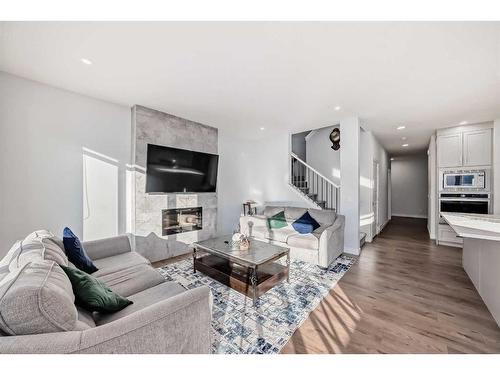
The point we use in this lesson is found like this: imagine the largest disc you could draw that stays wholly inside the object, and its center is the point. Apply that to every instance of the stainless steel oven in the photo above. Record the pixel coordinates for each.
(470, 203)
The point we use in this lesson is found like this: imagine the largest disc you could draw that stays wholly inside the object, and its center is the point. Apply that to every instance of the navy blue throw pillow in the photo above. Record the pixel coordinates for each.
(305, 224)
(76, 253)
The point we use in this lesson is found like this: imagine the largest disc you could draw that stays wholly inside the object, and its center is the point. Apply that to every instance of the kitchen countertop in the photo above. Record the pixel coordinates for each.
(484, 227)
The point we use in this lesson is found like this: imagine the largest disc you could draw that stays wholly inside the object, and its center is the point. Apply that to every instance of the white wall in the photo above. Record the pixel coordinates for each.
(299, 145)
(372, 151)
(380, 155)
(431, 186)
(43, 131)
(321, 156)
(349, 183)
(409, 186)
(365, 184)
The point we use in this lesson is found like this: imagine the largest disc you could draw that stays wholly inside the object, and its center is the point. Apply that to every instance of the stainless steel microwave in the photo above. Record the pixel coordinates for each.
(464, 179)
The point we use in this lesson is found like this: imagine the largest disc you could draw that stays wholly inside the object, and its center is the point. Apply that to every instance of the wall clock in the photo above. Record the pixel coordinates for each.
(335, 138)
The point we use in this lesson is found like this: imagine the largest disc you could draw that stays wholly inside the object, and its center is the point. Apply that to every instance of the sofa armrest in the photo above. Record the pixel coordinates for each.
(107, 247)
(248, 222)
(331, 242)
(180, 324)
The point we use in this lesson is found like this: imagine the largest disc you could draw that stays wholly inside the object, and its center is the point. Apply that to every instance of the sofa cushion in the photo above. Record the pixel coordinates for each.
(142, 300)
(304, 241)
(76, 253)
(92, 294)
(37, 298)
(132, 280)
(259, 231)
(118, 262)
(270, 211)
(37, 246)
(107, 247)
(11, 254)
(324, 217)
(281, 235)
(4, 271)
(305, 224)
(85, 318)
(293, 213)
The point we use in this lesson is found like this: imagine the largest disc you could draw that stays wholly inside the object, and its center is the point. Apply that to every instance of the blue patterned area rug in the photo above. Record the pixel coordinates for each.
(239, 327)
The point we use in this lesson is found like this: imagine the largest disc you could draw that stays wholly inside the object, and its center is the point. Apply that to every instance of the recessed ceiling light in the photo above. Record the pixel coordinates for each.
(405, 145)
(86, 61)
(463, 123)
(404, 138)
(400, 127)
(262, 128)
(337, 108)
(392, 158)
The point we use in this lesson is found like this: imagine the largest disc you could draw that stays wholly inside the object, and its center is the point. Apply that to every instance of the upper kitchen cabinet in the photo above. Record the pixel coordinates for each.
(464, 146)
(477, 147)
(449, 150)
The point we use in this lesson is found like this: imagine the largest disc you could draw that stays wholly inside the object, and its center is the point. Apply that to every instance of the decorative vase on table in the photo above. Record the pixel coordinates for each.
(240, 242)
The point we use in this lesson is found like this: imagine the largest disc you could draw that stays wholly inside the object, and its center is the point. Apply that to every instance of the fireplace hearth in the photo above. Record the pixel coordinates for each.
(181, 220)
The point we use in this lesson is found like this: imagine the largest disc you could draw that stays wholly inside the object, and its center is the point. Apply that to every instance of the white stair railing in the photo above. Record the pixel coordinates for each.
(313, 185)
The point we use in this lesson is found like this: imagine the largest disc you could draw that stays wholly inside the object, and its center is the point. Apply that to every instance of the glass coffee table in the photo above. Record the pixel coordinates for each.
(251, 272)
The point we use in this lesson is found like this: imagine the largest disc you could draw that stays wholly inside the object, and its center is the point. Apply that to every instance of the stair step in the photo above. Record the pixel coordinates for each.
(300, 183)
(313, 196)
(322, 204)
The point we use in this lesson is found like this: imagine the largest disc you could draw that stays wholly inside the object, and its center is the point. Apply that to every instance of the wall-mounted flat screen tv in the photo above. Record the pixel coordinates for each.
(173, 170)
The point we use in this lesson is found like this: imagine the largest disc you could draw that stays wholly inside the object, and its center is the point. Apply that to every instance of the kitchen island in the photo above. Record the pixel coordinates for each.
(481, 254)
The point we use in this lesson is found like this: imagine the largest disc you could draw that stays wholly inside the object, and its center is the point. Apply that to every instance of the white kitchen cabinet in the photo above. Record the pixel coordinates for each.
(477, 147)
(449, 150)
(470, 148)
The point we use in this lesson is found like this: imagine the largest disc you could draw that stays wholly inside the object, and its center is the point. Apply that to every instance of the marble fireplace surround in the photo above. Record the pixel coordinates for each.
(145, 213)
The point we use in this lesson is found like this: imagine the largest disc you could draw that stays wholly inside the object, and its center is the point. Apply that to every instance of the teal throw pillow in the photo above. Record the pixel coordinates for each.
(92, 294)
(277, 221)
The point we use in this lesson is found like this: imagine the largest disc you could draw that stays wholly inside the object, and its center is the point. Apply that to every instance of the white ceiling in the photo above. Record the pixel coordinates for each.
(277, 75)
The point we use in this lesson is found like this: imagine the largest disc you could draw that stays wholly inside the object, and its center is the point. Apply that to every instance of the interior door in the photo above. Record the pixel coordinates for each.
(375, 199)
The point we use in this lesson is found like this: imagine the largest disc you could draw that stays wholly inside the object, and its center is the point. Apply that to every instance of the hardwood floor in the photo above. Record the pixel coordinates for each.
(404, 295)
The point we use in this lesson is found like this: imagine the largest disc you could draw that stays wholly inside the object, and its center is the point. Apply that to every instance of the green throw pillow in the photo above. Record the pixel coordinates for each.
(277, 221)
(92, 294)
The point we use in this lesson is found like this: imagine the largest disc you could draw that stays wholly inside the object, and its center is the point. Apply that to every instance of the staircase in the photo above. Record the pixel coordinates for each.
(312, 185)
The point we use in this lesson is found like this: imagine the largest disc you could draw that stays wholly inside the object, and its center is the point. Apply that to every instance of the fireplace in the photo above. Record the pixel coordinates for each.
(181, 220)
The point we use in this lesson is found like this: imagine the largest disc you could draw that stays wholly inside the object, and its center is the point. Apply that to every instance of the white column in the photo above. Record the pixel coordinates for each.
(349, 182)
(496, 167)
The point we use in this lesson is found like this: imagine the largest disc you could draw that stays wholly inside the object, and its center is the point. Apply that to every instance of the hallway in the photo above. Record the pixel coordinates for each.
(404, 295)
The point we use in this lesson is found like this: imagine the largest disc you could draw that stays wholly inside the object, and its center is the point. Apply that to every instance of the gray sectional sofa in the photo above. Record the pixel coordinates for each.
(38, 314)
(320, 247)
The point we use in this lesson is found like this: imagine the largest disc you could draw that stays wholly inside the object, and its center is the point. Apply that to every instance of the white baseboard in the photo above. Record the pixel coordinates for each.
(412, 216)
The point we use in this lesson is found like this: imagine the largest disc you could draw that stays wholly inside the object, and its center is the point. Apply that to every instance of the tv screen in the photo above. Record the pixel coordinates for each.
(173, 170)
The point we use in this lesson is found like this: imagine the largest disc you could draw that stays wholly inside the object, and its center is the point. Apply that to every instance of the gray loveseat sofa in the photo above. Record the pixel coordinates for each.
(320, 247)
(38, 314)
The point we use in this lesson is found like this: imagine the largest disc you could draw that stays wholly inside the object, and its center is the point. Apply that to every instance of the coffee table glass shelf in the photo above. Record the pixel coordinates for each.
(251, 272)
